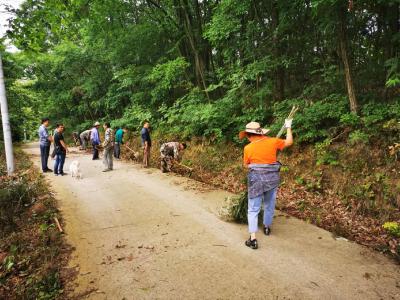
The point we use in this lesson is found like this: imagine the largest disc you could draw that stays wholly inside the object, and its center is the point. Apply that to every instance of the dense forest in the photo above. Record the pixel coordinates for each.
(206, 68)
(200, 70)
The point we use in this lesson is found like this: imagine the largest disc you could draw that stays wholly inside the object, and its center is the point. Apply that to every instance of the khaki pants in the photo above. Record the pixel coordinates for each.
(108, 158)
(146, 157)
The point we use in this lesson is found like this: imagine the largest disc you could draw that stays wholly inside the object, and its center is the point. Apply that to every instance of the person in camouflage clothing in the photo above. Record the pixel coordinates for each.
(108, 146)
(169, 153)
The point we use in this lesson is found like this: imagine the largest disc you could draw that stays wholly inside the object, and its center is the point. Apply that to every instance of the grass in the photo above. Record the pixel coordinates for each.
(32, 251)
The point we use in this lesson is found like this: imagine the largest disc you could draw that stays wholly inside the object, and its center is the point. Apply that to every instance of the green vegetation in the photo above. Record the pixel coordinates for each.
(205, 68)
(393, 228)
(31, 248)
(201, 70)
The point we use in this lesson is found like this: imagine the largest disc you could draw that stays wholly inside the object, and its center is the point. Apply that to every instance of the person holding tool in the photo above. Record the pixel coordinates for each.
(85, 138)
(119, 136)
(169, 153)
(260, 158)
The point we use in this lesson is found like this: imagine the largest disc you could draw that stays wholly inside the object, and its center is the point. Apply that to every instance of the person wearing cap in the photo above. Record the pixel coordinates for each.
(170, 152)
(260, 157)
(44, 141)
(95, 140)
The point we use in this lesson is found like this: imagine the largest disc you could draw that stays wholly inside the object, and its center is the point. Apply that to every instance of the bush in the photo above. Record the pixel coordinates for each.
(324, 155)
(315, 120)
(393, 228)
(358, 136)
(133, 118)
(374, 113)
(15, 194)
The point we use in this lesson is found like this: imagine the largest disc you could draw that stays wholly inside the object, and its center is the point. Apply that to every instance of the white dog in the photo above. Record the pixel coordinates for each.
(75, 170)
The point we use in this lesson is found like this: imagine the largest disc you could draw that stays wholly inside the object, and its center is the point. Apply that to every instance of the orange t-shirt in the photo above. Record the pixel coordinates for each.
(262, 151)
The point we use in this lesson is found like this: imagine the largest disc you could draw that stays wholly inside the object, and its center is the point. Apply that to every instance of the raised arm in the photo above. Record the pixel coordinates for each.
(289, 135)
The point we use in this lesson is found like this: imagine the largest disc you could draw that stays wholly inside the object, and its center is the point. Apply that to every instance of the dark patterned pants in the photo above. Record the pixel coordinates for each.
(166, 162)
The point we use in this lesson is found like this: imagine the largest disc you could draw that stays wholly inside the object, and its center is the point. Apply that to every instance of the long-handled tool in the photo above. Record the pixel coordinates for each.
(236, 209)
(135, 153)
(290, 116)
(183, 166)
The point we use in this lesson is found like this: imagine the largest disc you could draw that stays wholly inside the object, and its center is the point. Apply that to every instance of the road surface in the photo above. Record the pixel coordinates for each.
(141, 234)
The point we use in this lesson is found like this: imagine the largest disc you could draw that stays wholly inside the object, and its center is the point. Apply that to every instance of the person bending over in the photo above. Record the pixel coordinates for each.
(169, 153)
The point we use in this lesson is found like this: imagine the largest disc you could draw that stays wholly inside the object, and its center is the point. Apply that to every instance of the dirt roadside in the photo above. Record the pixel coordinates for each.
(141, 234)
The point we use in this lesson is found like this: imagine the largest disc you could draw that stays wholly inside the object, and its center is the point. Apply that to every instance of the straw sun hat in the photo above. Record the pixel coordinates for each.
(253, 127)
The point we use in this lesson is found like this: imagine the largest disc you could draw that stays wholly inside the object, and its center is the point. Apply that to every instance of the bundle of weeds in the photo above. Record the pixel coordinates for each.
(235, 208)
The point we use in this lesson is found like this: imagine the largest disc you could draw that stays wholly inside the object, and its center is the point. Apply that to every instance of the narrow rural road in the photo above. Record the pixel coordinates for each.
(141, 234)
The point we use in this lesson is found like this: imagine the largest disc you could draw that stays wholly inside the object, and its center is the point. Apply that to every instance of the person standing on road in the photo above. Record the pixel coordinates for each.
(119, 135)
(61, 150)
(108, 146)
(260, 157)
(85, 138)
(95, 140)
(170, 152)
(45, 140)
(146, 143)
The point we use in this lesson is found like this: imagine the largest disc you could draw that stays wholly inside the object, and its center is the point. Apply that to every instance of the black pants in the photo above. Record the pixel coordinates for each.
(44, 156)
(95, 152)
(117, 150)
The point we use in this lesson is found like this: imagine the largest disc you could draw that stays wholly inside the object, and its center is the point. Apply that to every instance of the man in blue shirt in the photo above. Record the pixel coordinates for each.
(119, 135)
(95, 140)
(146, 143)
(44, 141)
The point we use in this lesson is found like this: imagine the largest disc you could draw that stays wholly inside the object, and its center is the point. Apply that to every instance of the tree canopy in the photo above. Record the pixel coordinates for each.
(206, 68)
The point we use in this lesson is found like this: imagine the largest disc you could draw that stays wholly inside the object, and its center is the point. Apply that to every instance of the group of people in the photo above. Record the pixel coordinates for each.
(111, 146)
(170, 152)
(59, 151)
(259, 157)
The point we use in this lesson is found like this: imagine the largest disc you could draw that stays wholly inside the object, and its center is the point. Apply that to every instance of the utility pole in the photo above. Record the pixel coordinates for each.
(6, 123)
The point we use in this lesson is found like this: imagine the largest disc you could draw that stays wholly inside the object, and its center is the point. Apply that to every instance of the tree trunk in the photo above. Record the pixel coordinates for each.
(279, 84)
(199, 64)
(347, 70)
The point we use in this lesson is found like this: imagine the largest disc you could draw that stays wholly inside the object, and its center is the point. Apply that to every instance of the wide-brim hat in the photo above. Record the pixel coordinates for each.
(254, 128)
(97, 124)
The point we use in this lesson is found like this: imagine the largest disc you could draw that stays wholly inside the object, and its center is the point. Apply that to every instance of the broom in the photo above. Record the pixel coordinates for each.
(235, 208)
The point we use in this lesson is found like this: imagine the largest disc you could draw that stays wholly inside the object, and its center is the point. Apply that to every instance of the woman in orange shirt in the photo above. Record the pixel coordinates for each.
(263, 177)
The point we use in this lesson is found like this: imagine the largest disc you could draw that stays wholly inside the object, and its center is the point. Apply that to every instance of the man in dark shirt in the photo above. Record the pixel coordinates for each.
(146, 143)
(60, 150)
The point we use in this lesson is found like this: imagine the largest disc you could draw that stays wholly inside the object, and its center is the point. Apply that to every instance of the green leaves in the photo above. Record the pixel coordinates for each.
(226, 20)
(166, 77)
(204, 67)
